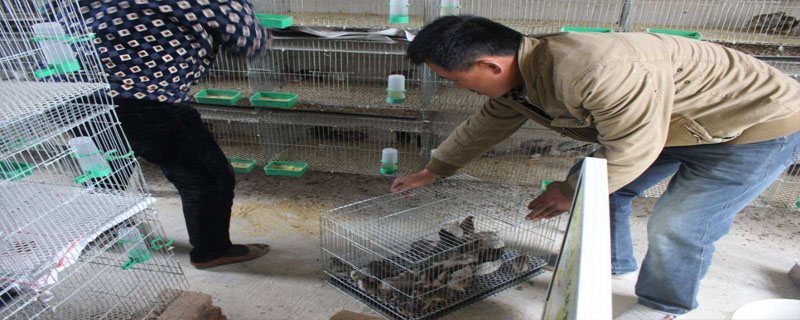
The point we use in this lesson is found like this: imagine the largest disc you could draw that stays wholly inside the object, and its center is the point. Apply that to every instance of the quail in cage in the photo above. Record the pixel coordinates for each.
(777, 22)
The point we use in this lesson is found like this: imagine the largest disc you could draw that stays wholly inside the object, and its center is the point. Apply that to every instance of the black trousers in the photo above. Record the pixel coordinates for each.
(174, 138)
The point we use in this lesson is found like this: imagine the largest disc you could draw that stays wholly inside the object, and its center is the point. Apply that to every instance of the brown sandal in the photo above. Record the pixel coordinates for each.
(253, 251)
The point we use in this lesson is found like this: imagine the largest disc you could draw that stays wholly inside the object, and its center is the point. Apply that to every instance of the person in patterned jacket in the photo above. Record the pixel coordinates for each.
(152, 53)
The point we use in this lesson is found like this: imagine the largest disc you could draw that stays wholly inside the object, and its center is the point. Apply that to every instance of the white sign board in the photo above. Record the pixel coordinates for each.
(581, 284)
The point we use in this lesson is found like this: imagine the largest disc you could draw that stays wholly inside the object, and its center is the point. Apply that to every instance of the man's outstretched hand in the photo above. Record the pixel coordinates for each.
(413, 181)
(549, 204)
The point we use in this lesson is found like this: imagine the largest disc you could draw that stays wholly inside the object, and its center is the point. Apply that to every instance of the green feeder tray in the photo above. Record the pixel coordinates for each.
(798, 202)
(398, 19)
(290, 169)
(545, 183)
(575, 29)
(687, 34)
(219, 97)
(273, 100)
(15, 170)
(242, 165)
(274, 21)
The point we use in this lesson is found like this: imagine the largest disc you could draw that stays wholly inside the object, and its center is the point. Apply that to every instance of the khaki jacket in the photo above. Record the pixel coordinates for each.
(634, 93)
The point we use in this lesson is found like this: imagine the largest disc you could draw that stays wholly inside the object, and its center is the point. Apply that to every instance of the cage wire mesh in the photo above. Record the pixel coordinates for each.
(341, 73)
(327, 142)
(748, 21)
(67, 176)
(751, 21)
(342, 14)
(106, 284)
(425, 253)
(350, 76)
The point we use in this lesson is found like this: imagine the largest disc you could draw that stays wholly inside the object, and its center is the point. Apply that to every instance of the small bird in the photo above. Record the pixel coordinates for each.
(461, 279)
(468, 226)
(521, 264)
(488, 267)
(776, 22)
(369, 285)
(458, 261)
(340, 268)
(536, 148)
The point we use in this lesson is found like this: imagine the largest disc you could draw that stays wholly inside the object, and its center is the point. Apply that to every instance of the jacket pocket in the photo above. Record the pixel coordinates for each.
(698, 133)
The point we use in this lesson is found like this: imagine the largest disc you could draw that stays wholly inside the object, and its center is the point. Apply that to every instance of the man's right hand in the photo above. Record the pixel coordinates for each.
(413, 181)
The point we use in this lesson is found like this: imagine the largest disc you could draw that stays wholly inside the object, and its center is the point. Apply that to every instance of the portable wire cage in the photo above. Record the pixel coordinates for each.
(425, 253)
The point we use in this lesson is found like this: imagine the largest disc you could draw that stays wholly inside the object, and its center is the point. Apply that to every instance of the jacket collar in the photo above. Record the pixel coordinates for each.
(526, 61)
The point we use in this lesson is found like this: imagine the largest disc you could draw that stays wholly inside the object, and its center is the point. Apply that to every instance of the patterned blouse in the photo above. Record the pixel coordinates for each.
(157, 49)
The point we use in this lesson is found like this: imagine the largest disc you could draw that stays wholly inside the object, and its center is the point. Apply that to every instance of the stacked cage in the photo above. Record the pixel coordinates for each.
(78, 239)
(330, 72)
(436, 249)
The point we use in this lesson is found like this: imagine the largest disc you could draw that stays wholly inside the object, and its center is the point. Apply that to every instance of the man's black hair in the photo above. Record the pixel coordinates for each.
(455, 43)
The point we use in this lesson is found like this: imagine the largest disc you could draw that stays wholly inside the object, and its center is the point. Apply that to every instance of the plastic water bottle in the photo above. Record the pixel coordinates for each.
(396, 90)
(389, 161)
(57, 53)
(91, 160)
(135, 245)
(449, 8)
(398, 11)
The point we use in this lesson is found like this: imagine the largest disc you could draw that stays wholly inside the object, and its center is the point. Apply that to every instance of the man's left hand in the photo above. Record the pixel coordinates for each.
(549, 204)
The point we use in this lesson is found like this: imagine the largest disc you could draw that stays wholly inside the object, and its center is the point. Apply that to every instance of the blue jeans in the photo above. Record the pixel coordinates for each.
(711, 184)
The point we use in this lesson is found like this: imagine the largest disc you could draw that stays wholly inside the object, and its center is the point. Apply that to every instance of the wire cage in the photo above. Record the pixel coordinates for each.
(784, 192)
(425, 253)
(530, 156)
(750, 21)
(68, 177)
(347, 14)
(740, 21)
(326, 142)
(59, 204)
(338, 73)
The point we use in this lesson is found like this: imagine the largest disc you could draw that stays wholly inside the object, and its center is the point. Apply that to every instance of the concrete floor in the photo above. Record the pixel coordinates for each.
(750, 264)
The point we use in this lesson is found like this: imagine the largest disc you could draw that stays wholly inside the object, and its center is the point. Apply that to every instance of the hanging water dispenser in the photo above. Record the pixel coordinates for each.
(92, 162)
(55, 46)
(396, 91)
(449, 8)
(398, 11)
(134, 244)
(389, 161)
